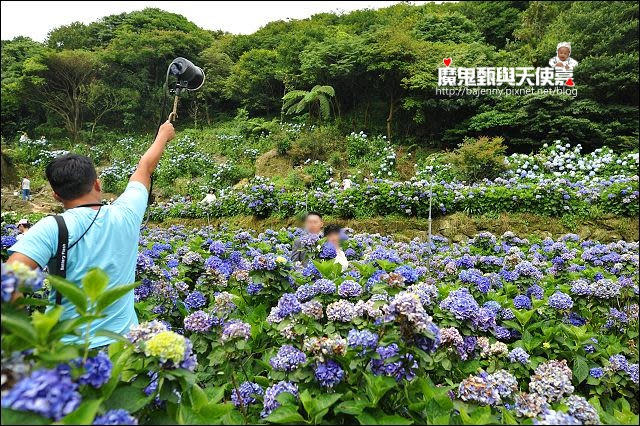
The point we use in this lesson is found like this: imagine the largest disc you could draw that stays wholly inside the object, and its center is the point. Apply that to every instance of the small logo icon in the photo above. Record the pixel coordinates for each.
(569, 82)
(447, 61)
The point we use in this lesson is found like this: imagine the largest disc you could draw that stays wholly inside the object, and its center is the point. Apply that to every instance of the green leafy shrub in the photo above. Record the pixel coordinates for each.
(283, 141)
(320, 173)
(477, 159)
(316, 144)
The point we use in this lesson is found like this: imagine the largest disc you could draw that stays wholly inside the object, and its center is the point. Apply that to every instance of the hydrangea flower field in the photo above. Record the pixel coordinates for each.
(556, 181)
(499, 329)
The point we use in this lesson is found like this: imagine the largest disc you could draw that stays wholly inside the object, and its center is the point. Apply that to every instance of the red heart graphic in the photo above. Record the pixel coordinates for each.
(569, 82)
(447, 61)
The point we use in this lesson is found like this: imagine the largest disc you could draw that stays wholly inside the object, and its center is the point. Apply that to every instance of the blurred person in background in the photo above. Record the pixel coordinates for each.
(23, 227)
(334, 235)
(26, 188)
(312, 225)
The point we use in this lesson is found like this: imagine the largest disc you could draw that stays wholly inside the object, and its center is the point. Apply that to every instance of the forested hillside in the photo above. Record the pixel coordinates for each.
(107, 76)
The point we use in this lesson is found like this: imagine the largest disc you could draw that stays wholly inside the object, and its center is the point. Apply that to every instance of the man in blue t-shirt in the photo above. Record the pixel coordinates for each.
(99, 236)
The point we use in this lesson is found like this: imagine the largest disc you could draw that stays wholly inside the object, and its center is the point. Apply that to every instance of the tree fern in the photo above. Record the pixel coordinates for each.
(296, 101)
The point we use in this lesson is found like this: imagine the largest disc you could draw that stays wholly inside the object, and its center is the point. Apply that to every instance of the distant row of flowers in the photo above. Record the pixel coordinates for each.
(378, 197)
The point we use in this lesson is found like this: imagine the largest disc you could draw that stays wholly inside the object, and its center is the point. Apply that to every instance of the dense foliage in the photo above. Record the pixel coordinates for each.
(381, 65)
(493, 330)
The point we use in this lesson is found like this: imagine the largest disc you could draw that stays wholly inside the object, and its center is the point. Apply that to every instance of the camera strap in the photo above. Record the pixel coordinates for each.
(58, 264)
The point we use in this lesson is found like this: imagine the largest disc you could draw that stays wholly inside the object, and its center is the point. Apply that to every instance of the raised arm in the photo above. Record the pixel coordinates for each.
(149, 161)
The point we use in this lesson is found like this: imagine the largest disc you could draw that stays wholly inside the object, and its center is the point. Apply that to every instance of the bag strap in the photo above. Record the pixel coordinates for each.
(58, 264)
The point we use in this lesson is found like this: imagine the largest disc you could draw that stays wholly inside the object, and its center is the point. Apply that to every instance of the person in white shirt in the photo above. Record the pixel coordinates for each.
(346, 183)
(26, 189)
(208, 199)
(333, 235)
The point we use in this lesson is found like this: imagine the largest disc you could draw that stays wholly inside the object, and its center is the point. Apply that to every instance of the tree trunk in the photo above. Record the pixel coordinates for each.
(366, 112)
(390, 118)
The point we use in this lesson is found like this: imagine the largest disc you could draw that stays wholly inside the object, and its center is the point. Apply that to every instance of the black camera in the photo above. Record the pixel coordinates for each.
(189, 76)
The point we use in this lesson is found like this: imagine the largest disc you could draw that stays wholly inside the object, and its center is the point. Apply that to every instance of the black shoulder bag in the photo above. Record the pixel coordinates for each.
(58, 264)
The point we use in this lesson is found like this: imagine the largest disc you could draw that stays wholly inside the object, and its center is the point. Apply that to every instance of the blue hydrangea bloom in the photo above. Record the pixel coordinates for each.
(245, 394)
(97, 370)
(328, 373)
(195, 300)
(116, 417)
(522, 302)
(49, 393)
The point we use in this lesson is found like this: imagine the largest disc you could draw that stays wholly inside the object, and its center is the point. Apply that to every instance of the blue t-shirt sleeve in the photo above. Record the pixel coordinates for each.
(133, 201)
(40, 242)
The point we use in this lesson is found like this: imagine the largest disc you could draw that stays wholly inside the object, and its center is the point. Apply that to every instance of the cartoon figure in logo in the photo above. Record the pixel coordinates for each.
(562, 59)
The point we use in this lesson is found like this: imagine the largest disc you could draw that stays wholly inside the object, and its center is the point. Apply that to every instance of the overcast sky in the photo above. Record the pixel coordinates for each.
(36, 18)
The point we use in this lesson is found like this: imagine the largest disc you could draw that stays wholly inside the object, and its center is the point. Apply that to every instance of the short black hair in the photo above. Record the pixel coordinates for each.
(71, 176)
(313, 213)
(332, 229)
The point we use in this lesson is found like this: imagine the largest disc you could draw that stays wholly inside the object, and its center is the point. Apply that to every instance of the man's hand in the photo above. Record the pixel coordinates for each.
(150, 159)
(166, 131)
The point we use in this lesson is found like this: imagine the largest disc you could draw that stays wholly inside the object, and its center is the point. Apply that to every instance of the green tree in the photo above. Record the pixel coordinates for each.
(256, 82)
(496, 20)
(17, 112)
(60, 81)
(317, 101)
(215, 94)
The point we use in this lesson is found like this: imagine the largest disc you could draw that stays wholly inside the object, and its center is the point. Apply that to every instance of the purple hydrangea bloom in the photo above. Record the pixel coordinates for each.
(519, 355)
(404, 368)
(198, 321)
(410, 275)
(522, 302)
(49, 393)
(324, 286)
(596, 372)
(493, 305)
(306, 292)
(116, 417)
(618, 362)
(97, 370)
(632, 371)
(9, 284)
(270, 396)
(245, 394)
(152, 387)
(460, 303)
(235, 329)
(535, 291)
(8, 241)
(265, 262)
(552, 417)
(288, 304)
(484, 319)
(349, 288)
(364, 339)
(254, 288)
(328, 373)
(328, 251)
(217, 248)
(195, 300)
(575, 319)
(288, 358)
(560, 301)
(501, 333)
(350, 253)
